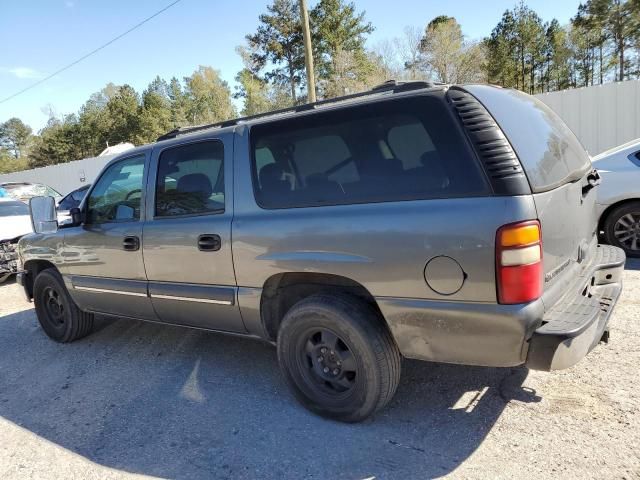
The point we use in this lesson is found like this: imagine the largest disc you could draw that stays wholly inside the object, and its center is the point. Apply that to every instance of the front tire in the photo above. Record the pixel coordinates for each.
(622, 228)
(59, 316)
(338, 357)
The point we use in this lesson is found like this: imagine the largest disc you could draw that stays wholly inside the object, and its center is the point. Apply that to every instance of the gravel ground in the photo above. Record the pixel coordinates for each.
(137, 399)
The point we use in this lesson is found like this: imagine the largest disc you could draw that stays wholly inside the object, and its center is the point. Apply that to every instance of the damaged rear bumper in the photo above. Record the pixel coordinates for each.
(577, 323)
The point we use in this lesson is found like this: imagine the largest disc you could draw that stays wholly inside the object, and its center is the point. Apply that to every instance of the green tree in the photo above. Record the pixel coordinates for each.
(516, 50)
(123, 116)
(339, 36)
(15, 136)
(155, 112)
(251, 88)
(94, 122)
(179, 103)
(209, 97)
(447, 56)
(581, 38)
(617, 17)
(558, 57)
(278, 42)
(57, 143)
(8, 163)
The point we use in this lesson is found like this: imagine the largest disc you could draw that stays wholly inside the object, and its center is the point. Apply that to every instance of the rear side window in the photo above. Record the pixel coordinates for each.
(396, 150)
(190, 180)
(550, 153)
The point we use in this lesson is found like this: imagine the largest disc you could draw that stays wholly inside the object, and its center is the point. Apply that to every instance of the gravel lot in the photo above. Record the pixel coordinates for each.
(137, 399)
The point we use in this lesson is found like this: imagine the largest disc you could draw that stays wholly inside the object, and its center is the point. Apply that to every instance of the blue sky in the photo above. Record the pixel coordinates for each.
(40, 36)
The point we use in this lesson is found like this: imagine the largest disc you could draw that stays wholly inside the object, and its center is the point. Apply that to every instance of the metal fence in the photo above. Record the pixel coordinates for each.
(602, 116)
(64, 177)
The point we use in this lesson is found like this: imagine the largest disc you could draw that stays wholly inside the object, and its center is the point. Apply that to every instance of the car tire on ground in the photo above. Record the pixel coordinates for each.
(338, 357)
(622, 228)
(59, 316)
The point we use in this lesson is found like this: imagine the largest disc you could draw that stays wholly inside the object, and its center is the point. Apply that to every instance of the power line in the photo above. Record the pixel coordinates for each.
(92, 52)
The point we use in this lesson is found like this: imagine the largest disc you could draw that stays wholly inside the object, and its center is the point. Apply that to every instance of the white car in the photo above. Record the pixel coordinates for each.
(619, 196)
(15, 222)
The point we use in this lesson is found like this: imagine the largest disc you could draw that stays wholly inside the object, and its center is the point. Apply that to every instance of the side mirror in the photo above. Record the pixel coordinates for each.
(76, 216)
(43, 214)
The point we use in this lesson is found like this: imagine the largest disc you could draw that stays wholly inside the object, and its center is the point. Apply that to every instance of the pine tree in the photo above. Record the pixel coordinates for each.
(278, 42)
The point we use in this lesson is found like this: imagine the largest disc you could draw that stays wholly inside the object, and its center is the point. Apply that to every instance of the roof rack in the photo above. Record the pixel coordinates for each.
(390, 86)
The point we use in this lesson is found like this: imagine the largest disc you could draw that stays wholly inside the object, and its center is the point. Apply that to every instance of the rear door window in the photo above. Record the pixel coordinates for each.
(386, 151)
(190, 180)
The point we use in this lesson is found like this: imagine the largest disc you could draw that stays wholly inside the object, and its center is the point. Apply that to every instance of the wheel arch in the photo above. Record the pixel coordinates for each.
(282, 291)
(610, 208)
(34, 267)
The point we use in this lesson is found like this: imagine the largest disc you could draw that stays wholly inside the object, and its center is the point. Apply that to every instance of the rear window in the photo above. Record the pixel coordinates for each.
(387, 151)
(550, 153)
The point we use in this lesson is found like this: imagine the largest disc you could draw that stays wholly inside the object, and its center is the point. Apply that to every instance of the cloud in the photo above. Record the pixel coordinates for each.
(24, 72)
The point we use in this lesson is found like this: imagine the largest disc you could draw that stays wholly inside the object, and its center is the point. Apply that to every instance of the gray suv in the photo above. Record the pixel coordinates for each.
(442, 223)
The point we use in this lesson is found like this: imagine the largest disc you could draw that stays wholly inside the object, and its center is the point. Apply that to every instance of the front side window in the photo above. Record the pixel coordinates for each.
(405, 149)
(117, 194)
(190, 180)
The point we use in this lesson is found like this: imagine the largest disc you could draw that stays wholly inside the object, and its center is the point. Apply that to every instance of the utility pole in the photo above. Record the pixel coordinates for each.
(308, 52)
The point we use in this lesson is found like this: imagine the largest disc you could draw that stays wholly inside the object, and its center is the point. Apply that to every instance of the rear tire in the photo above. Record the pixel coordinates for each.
(622, 228)
(59, 316)
(338, 357)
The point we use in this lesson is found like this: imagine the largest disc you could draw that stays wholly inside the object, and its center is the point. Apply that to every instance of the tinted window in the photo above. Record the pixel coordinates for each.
(79, 194)
(549, 151)
(387, 151)
(67, 203)
(117, 194)
(73, 199)
(13, 209)
(190, 180)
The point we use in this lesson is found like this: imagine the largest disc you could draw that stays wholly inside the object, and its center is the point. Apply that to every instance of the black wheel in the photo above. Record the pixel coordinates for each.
(59, 316)
(338, 357)
(622, 228)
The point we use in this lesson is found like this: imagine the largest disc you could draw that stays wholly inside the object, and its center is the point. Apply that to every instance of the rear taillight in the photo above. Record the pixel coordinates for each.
(519, 262)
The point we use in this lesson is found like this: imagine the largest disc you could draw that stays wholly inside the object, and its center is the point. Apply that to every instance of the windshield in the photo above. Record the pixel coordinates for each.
(31, 190)
(13, 209)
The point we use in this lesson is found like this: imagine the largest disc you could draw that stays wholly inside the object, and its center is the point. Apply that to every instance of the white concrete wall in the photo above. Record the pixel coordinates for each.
(64, 177)
(602, 116)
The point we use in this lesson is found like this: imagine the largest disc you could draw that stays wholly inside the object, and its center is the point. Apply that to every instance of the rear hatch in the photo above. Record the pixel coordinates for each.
(559, 172)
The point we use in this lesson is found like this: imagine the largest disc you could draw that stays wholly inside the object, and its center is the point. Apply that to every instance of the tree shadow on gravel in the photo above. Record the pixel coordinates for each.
(178, 403)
